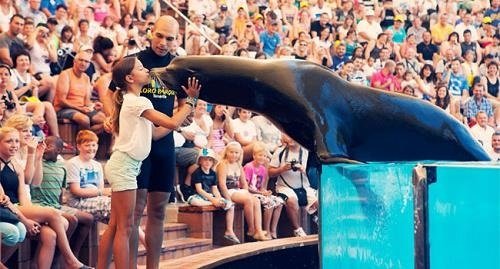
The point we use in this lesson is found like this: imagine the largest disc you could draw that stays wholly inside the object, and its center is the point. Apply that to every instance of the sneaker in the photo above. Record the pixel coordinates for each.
(299, 232)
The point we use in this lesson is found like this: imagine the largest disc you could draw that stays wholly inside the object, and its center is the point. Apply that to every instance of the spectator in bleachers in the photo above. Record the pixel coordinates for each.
(487, 36)
(346, 70)
(368, 28)
(482, 131)
(31, 215)
(374, 48)
(387, 14)
(62, 18)
(9, 100)
(457, 82)
(319, 25)
(234, 187)
(399, 73)
(347, 27)
(358, 75)
(10, 43)
(200, 126)
(289, 164)
(301, 50)
(427, 51)
(441, 30)
(12, 233)
(221, 132)
(468, 45)
(495, 146)
(453, 44)
(42, 54)
(409, 43)
(101, 10)
(384, 79)
(470, 68)
(107, 29)
(479, 102)
(33, 11)
(257, 177)
(342, 15)
(223, 22)
(339, 58)
(289, 11)
(410, 61)
(467, 24)
(85, 179)
(240, 22)
(126, 30)
(245, 132)
(444, 64)
(301, 24)
(204, 181)
(398, 30)
(49, 7)
(384, 56)
(267, 133)
(73, 96)
(427, 81)
(443, 100)
(195, 35)
(493, 12)
(103, 56)
(417, 29)
(270, 40)
(491, 81)
(50, 192)
(83, 37)
(7, 10)
(66, 41)
(250, 34)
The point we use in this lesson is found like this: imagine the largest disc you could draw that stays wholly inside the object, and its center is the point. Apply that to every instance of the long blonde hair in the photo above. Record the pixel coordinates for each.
(233, 145)
(120, 71)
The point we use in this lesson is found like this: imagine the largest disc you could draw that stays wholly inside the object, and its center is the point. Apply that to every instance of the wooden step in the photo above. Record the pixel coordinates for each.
(174, 249)
(171, 231)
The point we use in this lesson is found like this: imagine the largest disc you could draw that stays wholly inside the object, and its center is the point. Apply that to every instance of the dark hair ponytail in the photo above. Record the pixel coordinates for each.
(120, 71)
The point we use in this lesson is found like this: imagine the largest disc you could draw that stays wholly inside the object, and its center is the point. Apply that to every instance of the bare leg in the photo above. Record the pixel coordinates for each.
(140, 204)
(268, 214)
(154, 227)
(46, 247)
(292, 210)
(230, 221)
(51, 118)
(85, 220)
(248, 208)
(124, 211)
(106, 243)
(275, 220)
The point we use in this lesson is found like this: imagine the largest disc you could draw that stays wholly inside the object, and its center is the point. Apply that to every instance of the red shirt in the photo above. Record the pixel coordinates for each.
(382, 79)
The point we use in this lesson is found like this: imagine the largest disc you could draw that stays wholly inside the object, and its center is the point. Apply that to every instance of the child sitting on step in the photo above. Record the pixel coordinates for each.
(204, 181)
(257, 178)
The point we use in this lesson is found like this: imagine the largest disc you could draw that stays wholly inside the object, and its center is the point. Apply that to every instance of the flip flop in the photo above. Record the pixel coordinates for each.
(232, 238)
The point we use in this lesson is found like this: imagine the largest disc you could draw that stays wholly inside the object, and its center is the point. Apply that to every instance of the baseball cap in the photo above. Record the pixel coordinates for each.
(86, 47)
(487, 20)
(208, 153)
(399, 17)
(223, 7)
(304, 4)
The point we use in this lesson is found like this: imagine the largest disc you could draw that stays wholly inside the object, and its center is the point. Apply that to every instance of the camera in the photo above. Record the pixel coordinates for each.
(131, 42)
(295, 165)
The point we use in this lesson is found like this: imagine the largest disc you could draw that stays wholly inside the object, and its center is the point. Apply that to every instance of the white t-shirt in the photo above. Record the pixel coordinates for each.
(88, 174)
(136, 132)
(291, 177)
(246, 129)
(483, 135)
(370, 29)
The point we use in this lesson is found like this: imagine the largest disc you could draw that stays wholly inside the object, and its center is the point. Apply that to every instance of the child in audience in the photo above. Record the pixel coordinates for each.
(245, 132)
(86, 179)
(132, 123)
(233, 186)
(204, 181)
(50, 193)
(257, 178)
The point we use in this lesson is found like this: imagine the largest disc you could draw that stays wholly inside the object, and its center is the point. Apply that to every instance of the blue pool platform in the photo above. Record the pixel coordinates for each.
(400, 215)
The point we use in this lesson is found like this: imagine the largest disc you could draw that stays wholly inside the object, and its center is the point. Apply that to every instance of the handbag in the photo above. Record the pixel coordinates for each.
(301, 196)
(6, 215)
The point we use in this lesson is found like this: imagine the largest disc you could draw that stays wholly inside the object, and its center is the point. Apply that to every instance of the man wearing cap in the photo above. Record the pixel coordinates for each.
(369, 28)
(10, 43)
(398, 30)
(223, 22)
(493, 12)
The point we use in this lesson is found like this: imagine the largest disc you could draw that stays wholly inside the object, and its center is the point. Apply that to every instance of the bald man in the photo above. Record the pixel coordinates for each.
(156, 181)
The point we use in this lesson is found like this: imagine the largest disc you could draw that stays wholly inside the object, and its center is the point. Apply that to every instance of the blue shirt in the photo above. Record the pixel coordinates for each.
(472, 107)
(51, 5)
(458, 84)
(398, 36)
(269, 42)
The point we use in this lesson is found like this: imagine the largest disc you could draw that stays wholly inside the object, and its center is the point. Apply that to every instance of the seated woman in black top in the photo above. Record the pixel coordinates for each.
(45, 221)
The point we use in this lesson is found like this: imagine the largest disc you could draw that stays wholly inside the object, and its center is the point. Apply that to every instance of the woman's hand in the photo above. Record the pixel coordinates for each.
(193, 87)
(32, 144)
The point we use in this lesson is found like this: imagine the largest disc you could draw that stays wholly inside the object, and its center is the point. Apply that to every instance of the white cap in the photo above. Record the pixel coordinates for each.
(205, 152)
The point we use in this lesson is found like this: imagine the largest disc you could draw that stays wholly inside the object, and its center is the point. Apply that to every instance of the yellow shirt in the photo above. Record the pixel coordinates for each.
(440, 33)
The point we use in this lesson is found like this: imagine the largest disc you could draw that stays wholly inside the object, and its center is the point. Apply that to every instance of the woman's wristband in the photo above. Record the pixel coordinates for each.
(192, 101)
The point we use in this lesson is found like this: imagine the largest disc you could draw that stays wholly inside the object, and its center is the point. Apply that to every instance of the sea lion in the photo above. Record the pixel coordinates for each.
(339, 121)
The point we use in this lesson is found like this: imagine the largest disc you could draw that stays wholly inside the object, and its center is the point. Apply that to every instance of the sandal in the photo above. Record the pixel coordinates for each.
(232, 238)
(261, 237)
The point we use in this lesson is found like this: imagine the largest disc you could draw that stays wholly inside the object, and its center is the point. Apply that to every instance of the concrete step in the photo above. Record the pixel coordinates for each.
(173, 249)
(172, 231)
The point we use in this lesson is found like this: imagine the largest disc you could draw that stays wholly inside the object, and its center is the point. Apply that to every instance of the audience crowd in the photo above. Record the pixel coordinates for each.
(56, 59)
